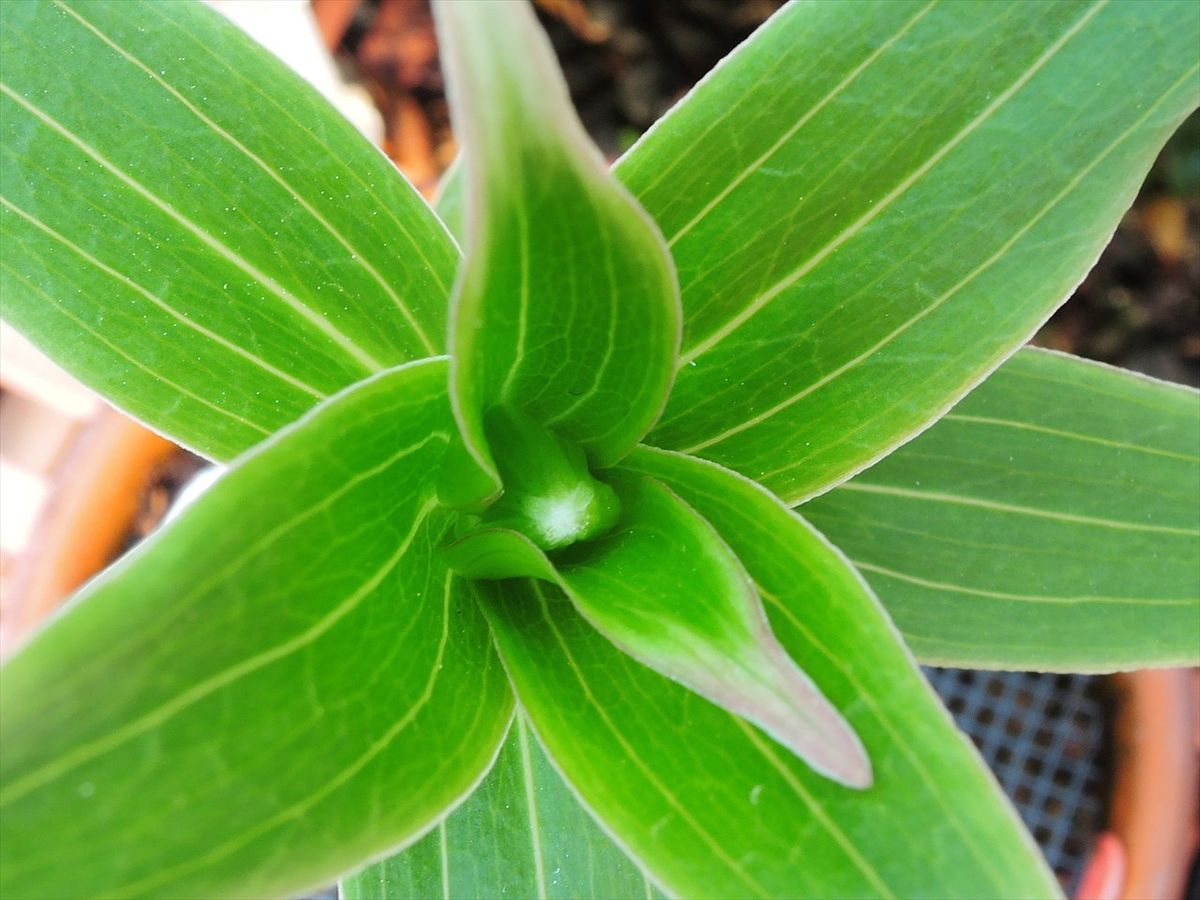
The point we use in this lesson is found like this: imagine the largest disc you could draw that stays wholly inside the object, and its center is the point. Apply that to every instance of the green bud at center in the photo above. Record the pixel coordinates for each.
(549, 495)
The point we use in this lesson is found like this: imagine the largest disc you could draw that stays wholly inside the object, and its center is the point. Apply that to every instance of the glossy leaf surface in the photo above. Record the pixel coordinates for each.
(871, 205)
(522, 834)
(192, 231)
(1049, 522)
(710, 806)
(289, 669)
(567, 308)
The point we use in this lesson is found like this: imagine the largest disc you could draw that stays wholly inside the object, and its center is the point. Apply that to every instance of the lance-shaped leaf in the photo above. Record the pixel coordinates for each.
(665, 588)
(289, 665)
(567, 307)
(192, 230)
(711, 807)
(871, 205)
(521, 834)
(1050, 521)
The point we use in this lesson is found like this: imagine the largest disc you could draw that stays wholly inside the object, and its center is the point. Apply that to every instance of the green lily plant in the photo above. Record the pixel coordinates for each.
(505, 591)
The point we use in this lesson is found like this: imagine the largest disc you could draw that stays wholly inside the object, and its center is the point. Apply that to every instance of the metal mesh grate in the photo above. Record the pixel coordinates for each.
(1044, 736)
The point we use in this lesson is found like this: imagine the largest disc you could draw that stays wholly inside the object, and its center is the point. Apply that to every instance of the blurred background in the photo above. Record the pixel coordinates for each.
(80, 482)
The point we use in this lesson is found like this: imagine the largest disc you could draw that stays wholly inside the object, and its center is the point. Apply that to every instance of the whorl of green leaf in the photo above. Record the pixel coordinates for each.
(870, 207)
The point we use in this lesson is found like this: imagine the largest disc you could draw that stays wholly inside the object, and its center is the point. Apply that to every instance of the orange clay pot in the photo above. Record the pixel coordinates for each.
(1156, 799)
(87, 517)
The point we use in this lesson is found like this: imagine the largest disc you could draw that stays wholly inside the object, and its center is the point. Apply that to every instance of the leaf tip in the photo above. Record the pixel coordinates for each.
(855, 771)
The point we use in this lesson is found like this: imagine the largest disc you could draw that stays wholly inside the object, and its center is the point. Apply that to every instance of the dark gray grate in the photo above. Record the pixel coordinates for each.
(1044, 736)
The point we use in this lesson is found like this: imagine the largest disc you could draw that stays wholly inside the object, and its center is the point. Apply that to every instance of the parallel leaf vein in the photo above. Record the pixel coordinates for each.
(171, 708)
(353, 350)
(1020, 598)
(859, 861)
(535, 837)
(1069, 435)
(383, 204)
(444, 858)
(298, 809)
(802, 121)
(712, 843)
(133, 361)
(942, 497)
(272, 173)
(161, 304)
(892, 196)
(915, 759)
(938, 302)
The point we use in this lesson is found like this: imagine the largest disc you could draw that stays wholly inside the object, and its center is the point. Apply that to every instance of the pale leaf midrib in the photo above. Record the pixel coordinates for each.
(1069, 435)
(99, 338)
(839, 837)
(647, 772)
(348, 346)
(992, 365)
(182, 605)
(932, 784)
(297, 810)
(760, 35)
(535, 838)
(801, 122)
(197, 692)
(940, 301)
(602, 366)
(382, 204)
(951, 811)
(1164, 390)
(1080, 600)
(175, 314)
(1078, 480)
(1052, 656)
(522, 229)
(996, 506)
(952, 543)
(444, 859)
(753, 307)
